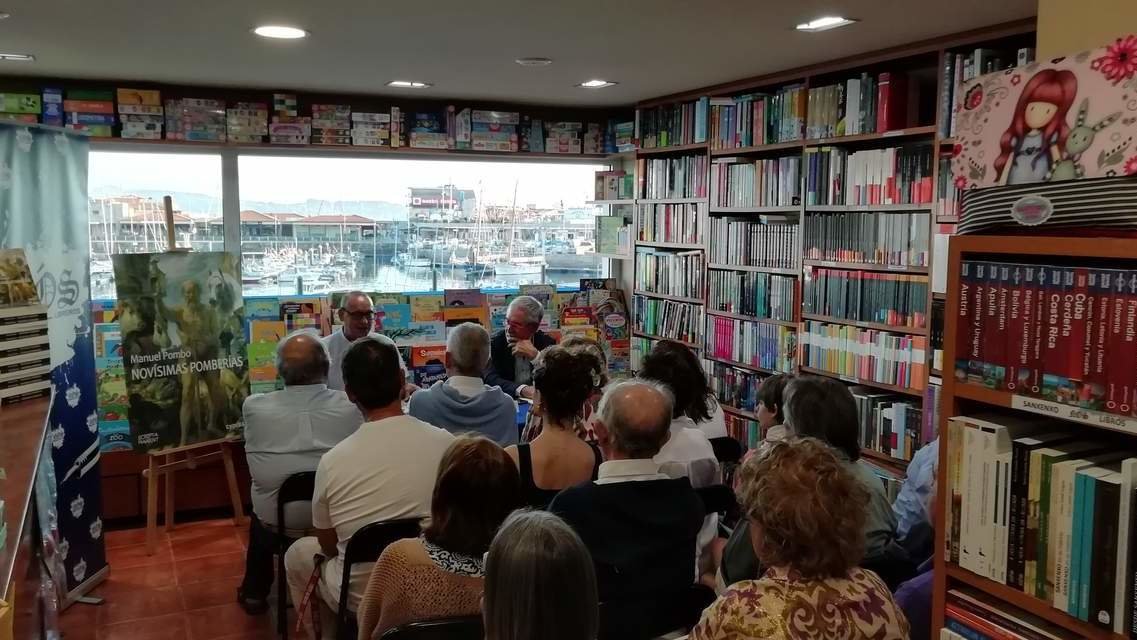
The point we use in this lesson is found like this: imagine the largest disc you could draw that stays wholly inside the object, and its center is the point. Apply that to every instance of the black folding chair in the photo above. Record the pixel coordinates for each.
(459, 628)
(297, 487)
(720, 499)
(728, 452)
(366, 545)
(653, 615)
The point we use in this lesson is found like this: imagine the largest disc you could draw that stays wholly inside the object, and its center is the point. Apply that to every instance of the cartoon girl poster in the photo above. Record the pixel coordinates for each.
(1036, 137)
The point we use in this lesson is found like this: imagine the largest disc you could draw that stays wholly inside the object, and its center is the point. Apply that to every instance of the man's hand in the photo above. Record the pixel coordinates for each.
(526, 391)
(524, 349)
(409, 390)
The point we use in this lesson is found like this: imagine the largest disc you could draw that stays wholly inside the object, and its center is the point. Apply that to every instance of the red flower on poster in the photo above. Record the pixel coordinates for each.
(956, 150)
(960, 182)
(1131, 166)
(1016, 79)
(1119, 61)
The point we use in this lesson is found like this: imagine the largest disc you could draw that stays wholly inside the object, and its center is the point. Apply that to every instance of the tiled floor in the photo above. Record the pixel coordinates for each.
(187, 590)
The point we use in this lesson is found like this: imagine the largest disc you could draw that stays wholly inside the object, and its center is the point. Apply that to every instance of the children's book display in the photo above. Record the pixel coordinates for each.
(25, 366)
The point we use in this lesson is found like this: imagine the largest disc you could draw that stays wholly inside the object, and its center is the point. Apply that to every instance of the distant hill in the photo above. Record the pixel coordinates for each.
(202, 204)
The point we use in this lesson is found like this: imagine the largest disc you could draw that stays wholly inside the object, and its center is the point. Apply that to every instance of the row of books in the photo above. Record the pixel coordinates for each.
(891, 239)
(757, 119)
(680, 223)
(963, 67)
(772, 182)
(865, 354)
(746, 431)
(949, 195)
(1046, 510)
(615, 184)
(669, 273)
(682, 177)
(732, 386)
(754, 244)
(970, 613)
(825, 175)
(669, 319)
(890, 424)
(613, 234)
(896, 175)
(894, 299)
(673, 125)
(755, 344)
(1062, 333)
(859, 105)
(760, 295)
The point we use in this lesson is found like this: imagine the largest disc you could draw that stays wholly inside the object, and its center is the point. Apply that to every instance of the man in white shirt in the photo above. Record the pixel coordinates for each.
(384, 471)
(464, 402)
(287, 432)
(357, 317)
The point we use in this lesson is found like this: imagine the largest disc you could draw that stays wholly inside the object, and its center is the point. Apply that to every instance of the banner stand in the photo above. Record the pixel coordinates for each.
(195, 455)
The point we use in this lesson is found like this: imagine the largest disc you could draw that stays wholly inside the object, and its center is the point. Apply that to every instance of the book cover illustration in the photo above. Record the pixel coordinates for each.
(464, 298)
(428, 364)
(264, 336)
(457, 315)
(182, 322)
(17, 288)
(426, 308)
(1048, 121)
(423, 332)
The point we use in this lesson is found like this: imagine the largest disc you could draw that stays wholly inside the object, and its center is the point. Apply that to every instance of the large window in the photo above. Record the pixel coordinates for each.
(310, 225)
(125, 192)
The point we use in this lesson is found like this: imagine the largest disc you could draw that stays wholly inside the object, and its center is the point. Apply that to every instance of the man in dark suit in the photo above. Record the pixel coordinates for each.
(639, 525)
(512, 349)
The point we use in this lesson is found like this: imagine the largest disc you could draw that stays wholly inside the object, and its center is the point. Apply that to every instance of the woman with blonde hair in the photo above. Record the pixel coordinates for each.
(806, 515)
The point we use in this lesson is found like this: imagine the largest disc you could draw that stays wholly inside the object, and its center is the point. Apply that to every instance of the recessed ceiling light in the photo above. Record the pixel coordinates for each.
(408, 84)
(534, 62)
(596, 84)
(825, 23)
(17, 57)
(4, 15)
(280, 32)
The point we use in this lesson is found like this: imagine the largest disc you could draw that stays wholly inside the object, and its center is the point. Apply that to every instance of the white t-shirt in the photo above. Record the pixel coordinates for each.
(716, 426)
(384, 471)
(688, 453)
(337, 345)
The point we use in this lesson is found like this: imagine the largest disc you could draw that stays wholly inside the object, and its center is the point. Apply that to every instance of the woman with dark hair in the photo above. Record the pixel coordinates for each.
(806, 515)
(440, 573)
(540, 582)
(564, 380)
(771, 418)
(534, 424)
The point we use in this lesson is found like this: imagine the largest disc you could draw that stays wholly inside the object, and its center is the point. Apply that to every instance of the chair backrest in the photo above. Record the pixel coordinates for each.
(720, 499)
(727, 449)
(653, 616)
(366, 545)
(297, 487)
(459, 628)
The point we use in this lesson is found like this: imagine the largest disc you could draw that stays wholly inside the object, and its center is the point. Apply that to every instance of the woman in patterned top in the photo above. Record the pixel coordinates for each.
(582, 423)
(806, 513)
(440, 573)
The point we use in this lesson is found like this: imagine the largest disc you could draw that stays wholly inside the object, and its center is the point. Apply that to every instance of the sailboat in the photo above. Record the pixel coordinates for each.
(514, 265)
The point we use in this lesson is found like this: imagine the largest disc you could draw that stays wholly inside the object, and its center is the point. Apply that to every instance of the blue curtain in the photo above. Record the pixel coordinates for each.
(43, 208)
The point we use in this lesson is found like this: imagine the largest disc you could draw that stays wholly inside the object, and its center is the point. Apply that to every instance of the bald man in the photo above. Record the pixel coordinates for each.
(357, 319)
(287, 432)
(639, 525)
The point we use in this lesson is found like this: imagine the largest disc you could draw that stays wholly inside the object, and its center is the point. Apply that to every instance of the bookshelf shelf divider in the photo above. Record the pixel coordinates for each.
(912, 331)
(739, 316)
(866, 383)
(864, 266)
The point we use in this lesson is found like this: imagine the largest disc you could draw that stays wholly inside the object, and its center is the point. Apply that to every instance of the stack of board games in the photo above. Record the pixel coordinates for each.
(563, 137)
(494, 130)
(370, 129)
(90, 112)
(195, 120)
(459, 126)
(593, 138)
(52, 107)
(247, 122)
(25, 352)
(532, 133)
(140, 114)
(428, 131)
(288, 127)
(331, 124)
(20, 107)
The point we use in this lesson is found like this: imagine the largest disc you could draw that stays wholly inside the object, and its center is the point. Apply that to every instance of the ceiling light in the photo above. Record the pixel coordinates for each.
(408, 84)
(4, 15)
(534, 62)
(17, 57)
(596, 84)
(825, 23)
(280, 32)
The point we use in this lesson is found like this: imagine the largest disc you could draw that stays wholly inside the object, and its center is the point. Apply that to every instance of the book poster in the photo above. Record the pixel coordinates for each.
(426, 308)
(183, 347)
(264, 336)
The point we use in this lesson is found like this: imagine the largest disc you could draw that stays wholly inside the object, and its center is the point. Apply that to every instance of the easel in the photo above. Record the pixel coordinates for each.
(194, 454)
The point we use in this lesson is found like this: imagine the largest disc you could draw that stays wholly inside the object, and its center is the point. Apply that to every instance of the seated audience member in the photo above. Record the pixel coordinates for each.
(513, 348)
(384, 471)
(639, 525)
(539, 582)
(583, 425)
(558, 458)
(807, 520)
(771, 419)
(913, 505)
(823, 408)
(357, 318)
(286, 432)
(440, 573)
(464, 403)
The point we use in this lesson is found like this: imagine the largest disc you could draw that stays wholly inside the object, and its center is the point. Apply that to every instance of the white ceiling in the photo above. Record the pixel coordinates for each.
(466, 48)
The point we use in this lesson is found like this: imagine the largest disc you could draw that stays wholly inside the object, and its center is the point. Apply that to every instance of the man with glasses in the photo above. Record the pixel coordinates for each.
(513, 349)
(357, 318)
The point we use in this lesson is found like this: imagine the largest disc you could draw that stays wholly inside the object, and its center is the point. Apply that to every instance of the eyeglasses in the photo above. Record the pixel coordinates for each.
(361, 315)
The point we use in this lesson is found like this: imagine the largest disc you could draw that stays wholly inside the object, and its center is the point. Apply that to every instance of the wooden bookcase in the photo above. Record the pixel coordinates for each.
(959, 398)
(924, 60)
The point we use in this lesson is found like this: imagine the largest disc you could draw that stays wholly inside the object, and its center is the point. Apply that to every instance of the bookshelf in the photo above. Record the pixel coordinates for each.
(924, 126)
(968, 398)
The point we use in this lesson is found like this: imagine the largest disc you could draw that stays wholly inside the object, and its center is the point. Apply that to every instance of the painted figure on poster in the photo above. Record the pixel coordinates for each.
(1033, 143)
(198, 327)
(1081, 137)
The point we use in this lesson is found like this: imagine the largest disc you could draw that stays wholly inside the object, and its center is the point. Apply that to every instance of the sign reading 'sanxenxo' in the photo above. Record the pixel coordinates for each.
(183, 347)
